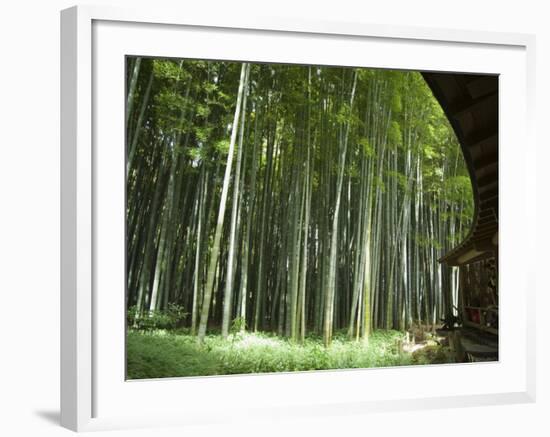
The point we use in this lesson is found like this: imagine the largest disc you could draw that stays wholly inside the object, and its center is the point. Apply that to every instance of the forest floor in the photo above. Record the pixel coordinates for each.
(161, 354)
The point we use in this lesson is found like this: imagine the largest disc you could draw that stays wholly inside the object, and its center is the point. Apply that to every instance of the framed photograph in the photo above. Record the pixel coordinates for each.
(273, 218)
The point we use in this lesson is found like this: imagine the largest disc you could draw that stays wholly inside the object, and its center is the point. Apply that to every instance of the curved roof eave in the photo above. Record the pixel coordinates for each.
(470, 102)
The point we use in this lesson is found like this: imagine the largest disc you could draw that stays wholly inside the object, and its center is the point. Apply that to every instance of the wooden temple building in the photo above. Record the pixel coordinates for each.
(470, 102)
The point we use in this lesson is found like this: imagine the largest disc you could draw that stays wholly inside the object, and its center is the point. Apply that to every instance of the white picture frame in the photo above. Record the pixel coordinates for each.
(93, 394)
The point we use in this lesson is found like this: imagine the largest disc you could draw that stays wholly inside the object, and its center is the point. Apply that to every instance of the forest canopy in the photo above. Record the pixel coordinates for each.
(288, 199)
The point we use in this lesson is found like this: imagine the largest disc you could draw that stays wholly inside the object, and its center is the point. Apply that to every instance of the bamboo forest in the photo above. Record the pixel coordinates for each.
(287, 218)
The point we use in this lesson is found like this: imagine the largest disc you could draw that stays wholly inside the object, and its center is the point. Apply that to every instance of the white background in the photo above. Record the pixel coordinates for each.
(29, 216)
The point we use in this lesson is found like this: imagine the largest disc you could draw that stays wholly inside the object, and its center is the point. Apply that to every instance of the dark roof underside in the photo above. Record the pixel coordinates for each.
(470, 102)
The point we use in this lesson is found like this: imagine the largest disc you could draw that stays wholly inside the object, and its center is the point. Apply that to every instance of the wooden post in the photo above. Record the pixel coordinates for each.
(456, 346)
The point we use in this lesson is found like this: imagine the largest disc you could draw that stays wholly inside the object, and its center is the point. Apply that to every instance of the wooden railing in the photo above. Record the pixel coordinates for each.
(484, 318)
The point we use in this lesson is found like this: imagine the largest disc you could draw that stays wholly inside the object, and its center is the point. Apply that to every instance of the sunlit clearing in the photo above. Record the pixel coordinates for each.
(245, 340)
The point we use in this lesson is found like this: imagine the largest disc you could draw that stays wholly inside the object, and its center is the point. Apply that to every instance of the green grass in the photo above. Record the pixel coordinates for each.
(160, 354)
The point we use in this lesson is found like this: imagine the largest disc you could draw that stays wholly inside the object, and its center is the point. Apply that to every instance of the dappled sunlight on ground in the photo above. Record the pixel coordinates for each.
(159, 354)
(246, 340)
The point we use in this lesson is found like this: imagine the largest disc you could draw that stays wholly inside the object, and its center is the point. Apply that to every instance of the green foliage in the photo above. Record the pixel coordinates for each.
(202, 110)
(425, 241)
(194, 153)
(222, 146)
(166, 69)
(203, 133)
(401, 179)
(396, 103)
(238, 324)
(171, 318)
(367, 147)
(394, 134)
(429, 152)
(177, 314)
(210, 87)
(161, 354)
(457, 188)
(379, 183)
(344, 113)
